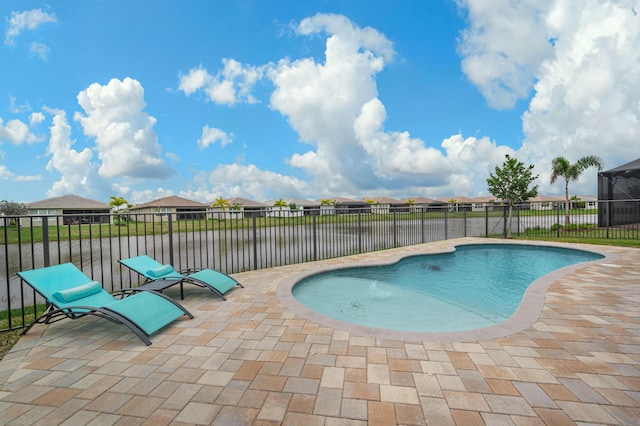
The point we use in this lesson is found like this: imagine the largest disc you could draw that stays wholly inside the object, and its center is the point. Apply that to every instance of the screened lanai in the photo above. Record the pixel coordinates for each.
(619, 195)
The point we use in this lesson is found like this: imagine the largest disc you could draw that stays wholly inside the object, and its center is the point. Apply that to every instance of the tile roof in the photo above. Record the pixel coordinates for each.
(244, 202)
(419, 200)
(172, 201)
(384, 200)
(69, 201)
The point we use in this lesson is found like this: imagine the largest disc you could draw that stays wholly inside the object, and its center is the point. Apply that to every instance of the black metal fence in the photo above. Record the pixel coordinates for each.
(230, 242)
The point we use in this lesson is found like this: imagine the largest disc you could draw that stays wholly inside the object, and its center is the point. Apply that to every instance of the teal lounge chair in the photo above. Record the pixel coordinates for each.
(158, 276)
(71, 294)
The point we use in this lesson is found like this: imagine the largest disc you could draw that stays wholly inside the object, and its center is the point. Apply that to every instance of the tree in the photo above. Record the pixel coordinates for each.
(221, 203)
(511, 184)
(10, 208)
(329, 202)
(116, 204)
(562, 168)
(280, 203)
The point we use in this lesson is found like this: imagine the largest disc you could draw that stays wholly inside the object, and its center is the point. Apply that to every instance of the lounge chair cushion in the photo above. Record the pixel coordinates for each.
(220, 282)
(160, 271)
(78, 292)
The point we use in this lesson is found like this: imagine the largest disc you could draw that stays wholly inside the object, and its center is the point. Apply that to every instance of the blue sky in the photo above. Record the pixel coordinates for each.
(313, 99)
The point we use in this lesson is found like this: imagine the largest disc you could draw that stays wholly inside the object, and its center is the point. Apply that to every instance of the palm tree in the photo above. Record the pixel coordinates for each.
(561, 167)
(410, 205)
(328, 202)
(280, 203)
(116, 204)
(221, 203)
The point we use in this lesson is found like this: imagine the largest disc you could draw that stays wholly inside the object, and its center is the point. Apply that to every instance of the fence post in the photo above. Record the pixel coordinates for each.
(315, 238)
(359, 231)
(395, 230)
(446, 227)
(486, 221)
(422, 224)
(504, 221)
(464, 219)
(255, 243)
(170, 225)
(45, 241)
(607, 207)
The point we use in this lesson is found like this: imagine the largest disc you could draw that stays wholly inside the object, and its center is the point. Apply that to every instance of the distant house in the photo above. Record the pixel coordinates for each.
(383, 205)
(422, 204)
(159, 210)
(585, 202)
(239, 208)
(307, 207)
(343, 205)
(72, 208)
(479, 204)
(300, 207)
(459, 203)
(546, 202)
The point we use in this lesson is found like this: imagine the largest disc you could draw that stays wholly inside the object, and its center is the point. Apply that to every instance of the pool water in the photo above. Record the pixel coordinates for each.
(474, 287)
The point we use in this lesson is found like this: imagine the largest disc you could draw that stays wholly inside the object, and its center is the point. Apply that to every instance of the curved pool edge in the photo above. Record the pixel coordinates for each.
(527, 313)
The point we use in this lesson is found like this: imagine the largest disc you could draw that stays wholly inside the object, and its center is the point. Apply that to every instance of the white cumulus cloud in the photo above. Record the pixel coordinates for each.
(5, 173)
(77, 172)
(16, 132)
(30, 20)
(232, 84)
(126, 143)
(238, 180)
(579, 60)
(503, 47)
(576, 63)
(211, 135)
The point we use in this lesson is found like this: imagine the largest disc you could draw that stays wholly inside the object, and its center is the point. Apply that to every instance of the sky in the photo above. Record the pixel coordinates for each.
(310, 99)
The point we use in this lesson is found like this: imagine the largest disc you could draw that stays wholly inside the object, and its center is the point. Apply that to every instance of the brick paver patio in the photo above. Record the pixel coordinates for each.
(256, 360)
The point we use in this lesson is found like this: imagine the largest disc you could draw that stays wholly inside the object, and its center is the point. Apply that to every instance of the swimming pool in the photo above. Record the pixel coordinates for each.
(476, 286)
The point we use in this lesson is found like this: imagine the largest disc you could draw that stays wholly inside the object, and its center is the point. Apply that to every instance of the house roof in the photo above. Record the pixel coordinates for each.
(245, 202)
(172, 201)
(297, 201)
(343, 200)
(419, 200)
(485, 199)
(458, 199)
(384, 200)
(70, 202)
(545, 198)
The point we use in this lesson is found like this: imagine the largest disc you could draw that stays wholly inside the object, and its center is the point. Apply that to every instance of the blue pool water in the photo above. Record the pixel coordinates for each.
(476, 286)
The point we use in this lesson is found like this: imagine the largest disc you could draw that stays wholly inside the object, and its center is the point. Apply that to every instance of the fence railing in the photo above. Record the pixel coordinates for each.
(236, 241)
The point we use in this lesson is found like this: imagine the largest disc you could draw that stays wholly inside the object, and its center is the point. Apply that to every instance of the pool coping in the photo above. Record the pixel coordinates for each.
(526, 315)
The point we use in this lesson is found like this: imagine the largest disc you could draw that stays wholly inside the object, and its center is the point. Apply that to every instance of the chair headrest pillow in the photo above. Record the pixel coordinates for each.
(160, 271)
(78, 292)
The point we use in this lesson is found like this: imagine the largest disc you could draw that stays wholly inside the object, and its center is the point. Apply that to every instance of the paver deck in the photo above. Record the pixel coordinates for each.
(256, 360)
